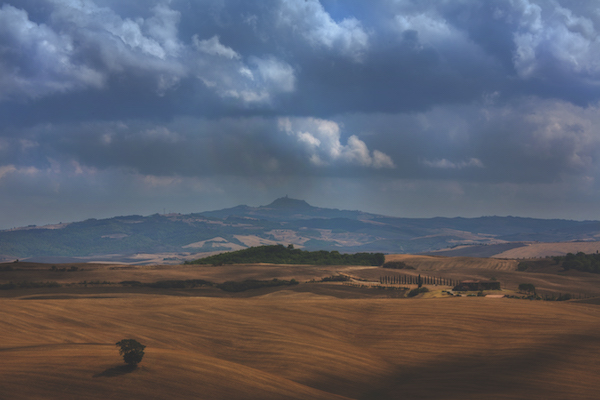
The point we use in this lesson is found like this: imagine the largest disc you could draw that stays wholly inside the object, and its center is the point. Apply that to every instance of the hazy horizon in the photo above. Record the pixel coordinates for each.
(167, 212)
(400, 108)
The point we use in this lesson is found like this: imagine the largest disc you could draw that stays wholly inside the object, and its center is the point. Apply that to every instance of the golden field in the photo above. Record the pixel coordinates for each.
(300, 346)
(550, 249)
(310, 341)
(440, 263)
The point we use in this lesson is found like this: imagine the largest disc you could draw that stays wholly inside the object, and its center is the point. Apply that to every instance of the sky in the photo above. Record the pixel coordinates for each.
(397, 107)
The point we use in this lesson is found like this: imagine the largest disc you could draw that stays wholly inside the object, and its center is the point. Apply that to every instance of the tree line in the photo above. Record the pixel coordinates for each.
(233, 286)
(229, 286)
(397, 265)
(416, 280)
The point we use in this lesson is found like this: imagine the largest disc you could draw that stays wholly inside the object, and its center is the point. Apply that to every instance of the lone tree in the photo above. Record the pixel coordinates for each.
(527, 287)
(131, 350)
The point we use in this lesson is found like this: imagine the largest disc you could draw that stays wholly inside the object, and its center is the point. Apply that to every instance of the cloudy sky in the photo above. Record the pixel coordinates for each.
(405, 108)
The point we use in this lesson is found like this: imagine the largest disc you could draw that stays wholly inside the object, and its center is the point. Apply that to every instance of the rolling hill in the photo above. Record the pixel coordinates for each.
(299, 347)
(173, 238)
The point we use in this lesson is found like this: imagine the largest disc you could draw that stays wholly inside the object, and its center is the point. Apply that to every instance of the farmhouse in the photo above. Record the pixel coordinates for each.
(471, 286)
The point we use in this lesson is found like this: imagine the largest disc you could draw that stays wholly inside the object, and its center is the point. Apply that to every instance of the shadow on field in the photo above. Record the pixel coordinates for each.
(116, 371)
(513, 376)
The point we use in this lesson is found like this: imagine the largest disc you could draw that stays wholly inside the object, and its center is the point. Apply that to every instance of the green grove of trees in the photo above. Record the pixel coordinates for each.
(580, 262)
(279, 254)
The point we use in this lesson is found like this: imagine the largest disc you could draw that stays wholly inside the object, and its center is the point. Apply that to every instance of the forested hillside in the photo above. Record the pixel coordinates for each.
(279, 254)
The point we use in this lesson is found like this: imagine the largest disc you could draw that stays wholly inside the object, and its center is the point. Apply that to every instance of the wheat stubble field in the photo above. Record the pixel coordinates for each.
(299, 346)
(309, 341)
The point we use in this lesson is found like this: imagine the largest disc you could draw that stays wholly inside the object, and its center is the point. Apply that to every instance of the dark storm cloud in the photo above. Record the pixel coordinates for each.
(292, 57)
(528, 142)
(502, 92)
(200, 147)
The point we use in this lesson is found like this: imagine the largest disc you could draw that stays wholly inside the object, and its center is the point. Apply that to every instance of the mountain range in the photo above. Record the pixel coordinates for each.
(177, 237)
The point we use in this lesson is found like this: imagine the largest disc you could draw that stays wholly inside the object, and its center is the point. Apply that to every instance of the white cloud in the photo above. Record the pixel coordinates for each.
(446, 164)
(161, 134)
(566, 130)
(155, 37)
(356, 152)
(81, 44)
(321, 140)
(161, 181)
(432, 29)
(163, 28)
(257, 81)
(153, 45)
(309, 18)
(6, 169)
(277, 75)
(214, 47)
(36, 61)
(26, 144)
(79, 169)
(121, 43)
(95, 42)
(551, 30)
(382, 160)
(309, 139)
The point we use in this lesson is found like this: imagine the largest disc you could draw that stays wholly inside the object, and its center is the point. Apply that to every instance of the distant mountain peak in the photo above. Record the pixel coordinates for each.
(289, 204)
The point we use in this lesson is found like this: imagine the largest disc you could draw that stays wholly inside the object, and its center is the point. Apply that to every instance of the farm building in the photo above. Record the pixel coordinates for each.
(472, 286)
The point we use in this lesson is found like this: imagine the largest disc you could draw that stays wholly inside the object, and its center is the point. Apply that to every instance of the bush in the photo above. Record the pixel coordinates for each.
(131, 350)
(522, 266)
(131, 283)
(397, 265)
(29, 285)
(527, 287)
(336, 278)
(169, 284)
